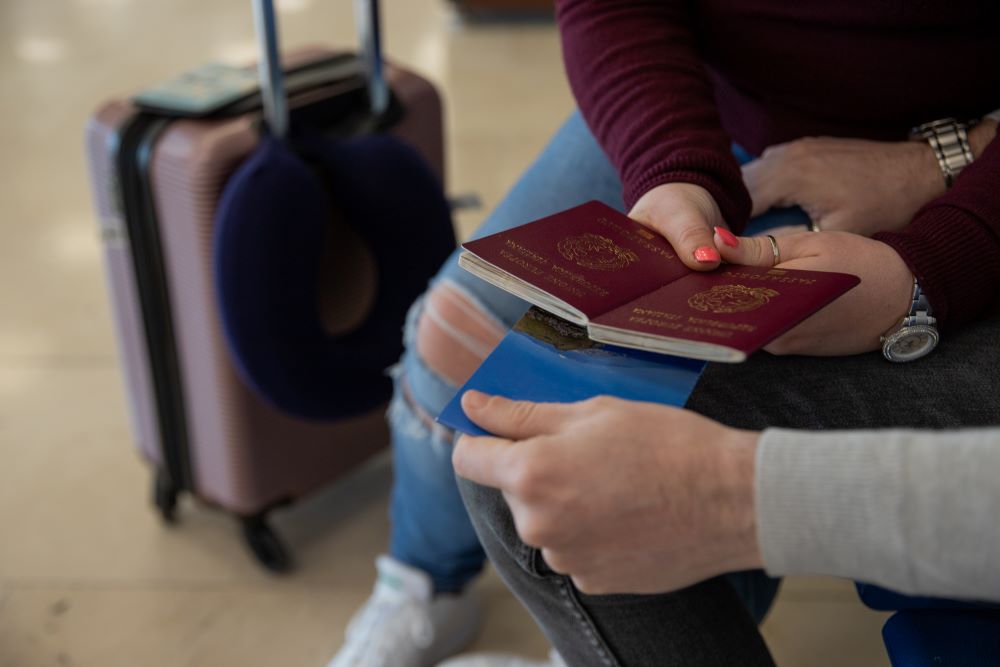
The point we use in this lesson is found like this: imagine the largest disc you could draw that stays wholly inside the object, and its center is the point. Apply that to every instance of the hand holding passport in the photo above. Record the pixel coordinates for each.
(597, 268)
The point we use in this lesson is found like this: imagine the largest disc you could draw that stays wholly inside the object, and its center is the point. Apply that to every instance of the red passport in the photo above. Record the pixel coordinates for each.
(598, 268)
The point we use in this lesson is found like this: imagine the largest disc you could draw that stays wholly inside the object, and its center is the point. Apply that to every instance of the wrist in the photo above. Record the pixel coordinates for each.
(737, 511)
(925, 172)
(955, 143)
(981, 135)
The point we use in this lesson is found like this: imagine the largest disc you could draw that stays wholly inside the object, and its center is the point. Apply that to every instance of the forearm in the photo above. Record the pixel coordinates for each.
(641, 85)
(912, 511)
(953, 244)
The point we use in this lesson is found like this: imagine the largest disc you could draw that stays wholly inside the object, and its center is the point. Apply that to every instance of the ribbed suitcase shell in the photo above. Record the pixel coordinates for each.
(245, 455)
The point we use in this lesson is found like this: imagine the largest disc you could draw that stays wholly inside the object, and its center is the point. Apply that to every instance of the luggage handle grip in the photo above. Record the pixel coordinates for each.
(272, 84)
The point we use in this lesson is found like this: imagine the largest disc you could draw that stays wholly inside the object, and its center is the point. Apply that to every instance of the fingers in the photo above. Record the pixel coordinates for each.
(758, 250)
(484, 460)
(684, 215)
(769, 180)
(517, 420)
(761, 198)
(787, 230)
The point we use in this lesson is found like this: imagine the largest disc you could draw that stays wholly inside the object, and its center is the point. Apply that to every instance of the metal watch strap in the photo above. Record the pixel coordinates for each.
(916, 335)
(920, 309)
(949, 139)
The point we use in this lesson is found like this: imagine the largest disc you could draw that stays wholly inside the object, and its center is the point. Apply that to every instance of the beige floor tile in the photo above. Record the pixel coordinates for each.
(807, 589)
(825, 633)
(182, 626)
(51, 282)
(203, 626)
(74, 497)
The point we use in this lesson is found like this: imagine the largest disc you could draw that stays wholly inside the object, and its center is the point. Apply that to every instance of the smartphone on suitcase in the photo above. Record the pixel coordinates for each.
(157, 175)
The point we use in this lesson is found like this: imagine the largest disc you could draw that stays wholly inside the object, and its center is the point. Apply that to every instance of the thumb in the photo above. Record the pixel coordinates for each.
(517, 420)
(683, 214)
(758, 250)
(694, 244)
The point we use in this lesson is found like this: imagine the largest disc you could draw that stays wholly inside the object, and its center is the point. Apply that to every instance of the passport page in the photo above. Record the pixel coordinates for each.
(723, 315)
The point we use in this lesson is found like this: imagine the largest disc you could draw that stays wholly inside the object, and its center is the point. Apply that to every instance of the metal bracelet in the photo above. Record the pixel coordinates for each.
(949, 139)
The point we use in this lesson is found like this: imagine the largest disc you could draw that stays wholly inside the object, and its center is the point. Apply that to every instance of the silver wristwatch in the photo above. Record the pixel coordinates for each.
(949, 139)
(916, 335)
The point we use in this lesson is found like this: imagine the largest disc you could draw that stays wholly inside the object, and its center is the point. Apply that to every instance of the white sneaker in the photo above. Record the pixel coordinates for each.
(500, 660)
(403, 624)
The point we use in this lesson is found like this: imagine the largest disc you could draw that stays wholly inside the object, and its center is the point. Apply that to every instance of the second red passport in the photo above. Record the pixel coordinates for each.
(597, 267)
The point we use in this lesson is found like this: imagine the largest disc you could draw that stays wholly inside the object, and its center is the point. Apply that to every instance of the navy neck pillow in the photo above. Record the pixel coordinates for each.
(272, 231)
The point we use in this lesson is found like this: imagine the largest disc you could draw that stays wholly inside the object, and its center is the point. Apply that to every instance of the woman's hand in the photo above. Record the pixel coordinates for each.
(684, 214)
(855, 321)
(623, 496)
(849, 185)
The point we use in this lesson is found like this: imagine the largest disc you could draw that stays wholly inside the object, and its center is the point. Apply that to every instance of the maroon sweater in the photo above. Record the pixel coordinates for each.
(666, 85)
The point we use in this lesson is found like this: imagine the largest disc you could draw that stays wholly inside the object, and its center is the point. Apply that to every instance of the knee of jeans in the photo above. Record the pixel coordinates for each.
(452, 332)
(494, 524)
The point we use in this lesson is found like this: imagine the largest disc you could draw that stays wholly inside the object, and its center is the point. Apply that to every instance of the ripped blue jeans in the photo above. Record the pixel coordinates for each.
(430, 527)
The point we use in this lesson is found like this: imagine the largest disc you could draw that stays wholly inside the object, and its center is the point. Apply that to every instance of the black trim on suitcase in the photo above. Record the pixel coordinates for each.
(135, 151)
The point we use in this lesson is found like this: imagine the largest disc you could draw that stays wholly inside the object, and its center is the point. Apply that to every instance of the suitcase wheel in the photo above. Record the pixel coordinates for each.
(165, 496)
(265, 544)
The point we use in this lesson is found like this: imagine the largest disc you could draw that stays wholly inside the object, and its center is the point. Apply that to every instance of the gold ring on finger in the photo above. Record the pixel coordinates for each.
(775, 249)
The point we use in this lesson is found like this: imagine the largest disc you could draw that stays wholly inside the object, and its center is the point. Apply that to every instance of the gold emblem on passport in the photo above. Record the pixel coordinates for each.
(594, 251)
(731, 299)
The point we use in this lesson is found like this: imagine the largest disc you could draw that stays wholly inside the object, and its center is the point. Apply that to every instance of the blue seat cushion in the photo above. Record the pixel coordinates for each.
(943, 638)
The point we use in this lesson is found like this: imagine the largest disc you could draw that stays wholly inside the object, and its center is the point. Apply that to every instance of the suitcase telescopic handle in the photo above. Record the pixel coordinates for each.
(272, 80)
(272, 85)
(366, 18)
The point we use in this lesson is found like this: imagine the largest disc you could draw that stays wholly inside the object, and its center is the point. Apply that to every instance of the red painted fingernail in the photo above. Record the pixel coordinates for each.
(727, 237)
(707, 254)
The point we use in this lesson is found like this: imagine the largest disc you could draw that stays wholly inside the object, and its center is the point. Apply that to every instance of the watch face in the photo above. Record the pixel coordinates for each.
(911, 343)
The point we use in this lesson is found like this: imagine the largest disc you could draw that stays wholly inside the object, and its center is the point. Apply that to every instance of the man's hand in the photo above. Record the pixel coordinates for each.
(855, 321)
(623, 496)
(848, 185)
(684, 214)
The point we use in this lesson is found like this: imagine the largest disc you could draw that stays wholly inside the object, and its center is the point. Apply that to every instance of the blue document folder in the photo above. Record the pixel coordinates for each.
(544, 358)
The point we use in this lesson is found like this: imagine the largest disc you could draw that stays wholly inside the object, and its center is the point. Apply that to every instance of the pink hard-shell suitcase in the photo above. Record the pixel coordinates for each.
(203, 430)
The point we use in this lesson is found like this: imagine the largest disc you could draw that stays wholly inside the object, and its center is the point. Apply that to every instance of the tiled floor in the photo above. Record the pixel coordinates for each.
(88, 577)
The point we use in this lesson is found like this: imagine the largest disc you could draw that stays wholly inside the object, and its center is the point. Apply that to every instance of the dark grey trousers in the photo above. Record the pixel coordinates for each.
(709, 624)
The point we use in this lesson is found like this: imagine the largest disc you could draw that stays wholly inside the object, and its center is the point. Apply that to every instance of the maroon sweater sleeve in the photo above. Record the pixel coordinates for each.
(642, 87)
(953, 244)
